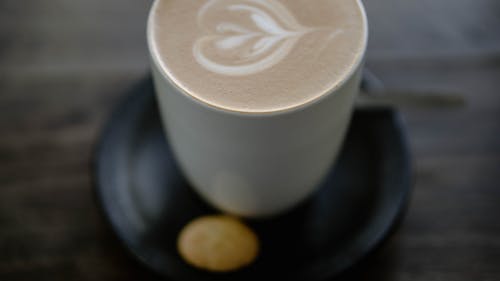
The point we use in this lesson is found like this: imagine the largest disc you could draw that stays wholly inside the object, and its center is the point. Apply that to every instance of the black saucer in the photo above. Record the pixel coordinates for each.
(147, 201)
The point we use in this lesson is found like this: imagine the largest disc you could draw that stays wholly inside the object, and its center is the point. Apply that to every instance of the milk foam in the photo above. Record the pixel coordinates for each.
(257, 56)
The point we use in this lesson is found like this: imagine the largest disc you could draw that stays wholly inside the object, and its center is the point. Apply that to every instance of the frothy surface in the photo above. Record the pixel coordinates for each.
(257, 55)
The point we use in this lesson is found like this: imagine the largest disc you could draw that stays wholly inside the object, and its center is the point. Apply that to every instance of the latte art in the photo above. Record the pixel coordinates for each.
(257, 56)
(243, 50)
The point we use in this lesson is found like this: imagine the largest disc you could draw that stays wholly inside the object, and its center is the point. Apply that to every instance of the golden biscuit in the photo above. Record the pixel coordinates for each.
(218, 243)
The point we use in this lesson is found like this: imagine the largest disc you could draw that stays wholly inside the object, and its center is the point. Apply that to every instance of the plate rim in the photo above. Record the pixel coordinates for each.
(99, 151)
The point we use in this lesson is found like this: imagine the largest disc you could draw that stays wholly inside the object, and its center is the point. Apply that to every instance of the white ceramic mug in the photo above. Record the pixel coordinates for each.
(254, 164)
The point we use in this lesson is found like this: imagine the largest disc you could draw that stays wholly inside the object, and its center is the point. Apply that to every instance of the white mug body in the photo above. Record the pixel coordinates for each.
(255, 164)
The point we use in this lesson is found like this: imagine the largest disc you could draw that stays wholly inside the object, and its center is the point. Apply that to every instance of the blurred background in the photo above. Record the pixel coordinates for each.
(65, 64)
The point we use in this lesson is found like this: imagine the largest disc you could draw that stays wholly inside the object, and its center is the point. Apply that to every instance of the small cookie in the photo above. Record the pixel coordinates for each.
(217, 243)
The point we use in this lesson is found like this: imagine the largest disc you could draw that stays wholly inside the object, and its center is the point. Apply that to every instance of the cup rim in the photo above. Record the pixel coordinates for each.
(159, 65)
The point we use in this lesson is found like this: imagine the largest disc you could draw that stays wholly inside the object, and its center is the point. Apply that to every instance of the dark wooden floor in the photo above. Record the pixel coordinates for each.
(64, 65)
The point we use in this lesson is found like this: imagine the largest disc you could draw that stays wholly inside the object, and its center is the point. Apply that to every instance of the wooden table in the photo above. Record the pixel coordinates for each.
(65, 64)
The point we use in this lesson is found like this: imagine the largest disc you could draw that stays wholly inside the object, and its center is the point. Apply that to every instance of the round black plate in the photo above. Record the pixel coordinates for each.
(147, 201)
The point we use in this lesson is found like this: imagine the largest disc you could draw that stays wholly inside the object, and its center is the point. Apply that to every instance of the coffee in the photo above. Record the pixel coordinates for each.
(256, 95)
(257, 56)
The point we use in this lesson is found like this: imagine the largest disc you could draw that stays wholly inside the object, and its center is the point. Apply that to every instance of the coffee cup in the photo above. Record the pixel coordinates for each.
(256, 95)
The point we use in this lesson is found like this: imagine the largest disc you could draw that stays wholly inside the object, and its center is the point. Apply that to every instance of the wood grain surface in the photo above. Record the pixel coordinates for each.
(65, 64)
